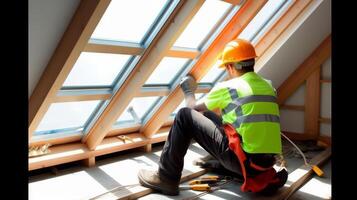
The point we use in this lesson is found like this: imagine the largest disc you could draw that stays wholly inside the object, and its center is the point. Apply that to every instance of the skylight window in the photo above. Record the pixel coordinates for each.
(137, 109)
(166, 71)
(96, 69)
(129, 21)
(282, 8)
(261, 19)
(66, 116)
(202, 23)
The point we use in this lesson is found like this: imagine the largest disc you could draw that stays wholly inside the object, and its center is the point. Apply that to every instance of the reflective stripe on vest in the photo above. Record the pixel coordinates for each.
(238, 102)
(233, 93)
(248, 99)
(255, 118)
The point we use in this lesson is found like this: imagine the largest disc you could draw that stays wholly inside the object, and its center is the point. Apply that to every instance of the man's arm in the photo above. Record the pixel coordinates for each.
(192, 103)
(188, 86)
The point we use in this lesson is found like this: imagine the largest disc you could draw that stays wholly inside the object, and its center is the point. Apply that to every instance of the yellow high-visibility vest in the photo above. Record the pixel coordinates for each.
(249, 104)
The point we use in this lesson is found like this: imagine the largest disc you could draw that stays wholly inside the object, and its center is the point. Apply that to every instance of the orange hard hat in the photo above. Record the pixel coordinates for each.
(235, 51)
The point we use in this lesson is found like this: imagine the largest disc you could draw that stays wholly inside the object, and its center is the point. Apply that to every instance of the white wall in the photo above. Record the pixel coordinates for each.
(293, 121)
(325, 129)
(299, 45)
(48, 19)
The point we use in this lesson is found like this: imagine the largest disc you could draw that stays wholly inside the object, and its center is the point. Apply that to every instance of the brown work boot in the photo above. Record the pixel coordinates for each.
(153, 180)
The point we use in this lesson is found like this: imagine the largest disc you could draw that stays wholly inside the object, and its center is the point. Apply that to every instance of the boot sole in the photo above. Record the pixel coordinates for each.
(163, 191)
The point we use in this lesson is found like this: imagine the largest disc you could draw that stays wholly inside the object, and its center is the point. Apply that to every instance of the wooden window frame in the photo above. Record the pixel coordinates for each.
(73, 41)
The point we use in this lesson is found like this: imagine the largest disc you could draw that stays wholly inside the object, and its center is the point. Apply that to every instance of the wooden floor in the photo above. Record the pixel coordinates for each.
(77, 182)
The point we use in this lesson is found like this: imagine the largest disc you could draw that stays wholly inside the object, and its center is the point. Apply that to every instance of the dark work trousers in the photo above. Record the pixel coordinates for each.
(206, 129)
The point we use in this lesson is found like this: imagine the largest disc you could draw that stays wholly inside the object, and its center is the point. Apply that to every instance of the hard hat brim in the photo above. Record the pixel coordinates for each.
(222, 65)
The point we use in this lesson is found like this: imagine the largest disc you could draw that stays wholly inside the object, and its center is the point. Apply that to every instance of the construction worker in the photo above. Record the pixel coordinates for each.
(244, 139)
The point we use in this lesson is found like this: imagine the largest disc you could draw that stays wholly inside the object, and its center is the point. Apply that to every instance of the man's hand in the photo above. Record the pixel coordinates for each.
(188, 85)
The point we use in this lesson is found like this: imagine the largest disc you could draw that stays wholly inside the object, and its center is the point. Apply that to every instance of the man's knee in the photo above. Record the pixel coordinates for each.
(183, 112)
(184, 117)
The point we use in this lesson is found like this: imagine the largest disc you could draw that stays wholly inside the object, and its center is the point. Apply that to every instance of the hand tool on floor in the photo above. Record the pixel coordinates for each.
(212, 189)
(205, 183)
(210, 180)
(196, 187)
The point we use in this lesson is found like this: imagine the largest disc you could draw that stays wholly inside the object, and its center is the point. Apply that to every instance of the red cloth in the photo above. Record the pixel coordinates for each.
(258, 182)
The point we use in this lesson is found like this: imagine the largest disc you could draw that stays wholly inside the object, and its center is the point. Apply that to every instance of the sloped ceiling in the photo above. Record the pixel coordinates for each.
(48, 19)
(299, 45)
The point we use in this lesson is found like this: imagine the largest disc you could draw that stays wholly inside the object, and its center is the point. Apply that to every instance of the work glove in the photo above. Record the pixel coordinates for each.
(188, 85)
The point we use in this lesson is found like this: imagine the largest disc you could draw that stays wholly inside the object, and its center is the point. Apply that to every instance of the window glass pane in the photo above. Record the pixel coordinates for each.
(140, 106)
(166, 70)
(126, 116)
(66, 115)
(212, 74)
(202, 23)
(93, 69)
(283, 7)
(260, 19)
(128, 20)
